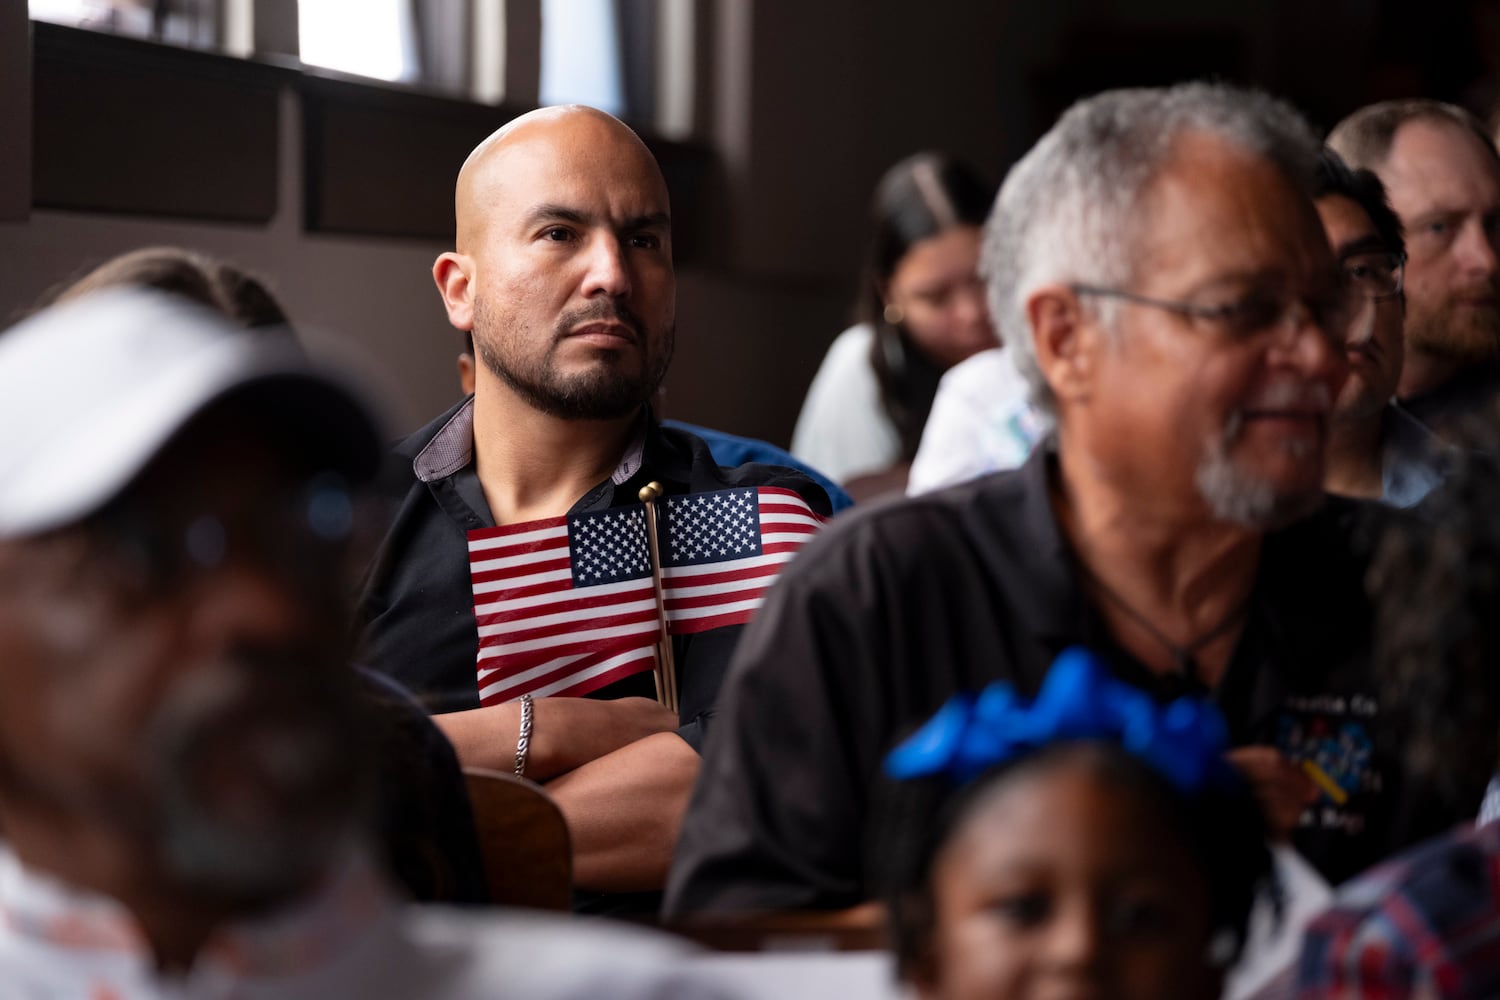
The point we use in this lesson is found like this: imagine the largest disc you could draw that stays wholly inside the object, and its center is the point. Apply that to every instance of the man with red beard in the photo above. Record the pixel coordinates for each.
(562, 271)
(1442, 174)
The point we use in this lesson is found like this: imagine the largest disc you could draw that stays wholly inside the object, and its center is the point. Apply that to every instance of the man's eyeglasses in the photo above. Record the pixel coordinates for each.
(1258, 312)
(1379, 274)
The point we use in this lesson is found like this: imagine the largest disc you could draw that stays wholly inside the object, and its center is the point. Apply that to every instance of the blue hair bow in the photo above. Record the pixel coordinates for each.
(1184, 740)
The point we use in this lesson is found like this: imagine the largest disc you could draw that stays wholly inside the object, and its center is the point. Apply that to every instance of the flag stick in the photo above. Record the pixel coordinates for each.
(666, 669)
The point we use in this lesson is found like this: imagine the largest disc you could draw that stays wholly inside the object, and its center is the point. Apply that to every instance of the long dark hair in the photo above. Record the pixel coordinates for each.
(919, 197)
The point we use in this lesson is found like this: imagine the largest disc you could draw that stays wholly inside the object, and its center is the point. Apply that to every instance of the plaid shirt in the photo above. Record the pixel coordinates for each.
(1425, 924)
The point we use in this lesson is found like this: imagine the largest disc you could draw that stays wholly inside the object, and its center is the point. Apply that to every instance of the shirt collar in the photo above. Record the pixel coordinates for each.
(635, 452)
(452, 448)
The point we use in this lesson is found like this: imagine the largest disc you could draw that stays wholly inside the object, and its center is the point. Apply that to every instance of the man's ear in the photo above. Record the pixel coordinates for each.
(453, 273)
(1066, 341)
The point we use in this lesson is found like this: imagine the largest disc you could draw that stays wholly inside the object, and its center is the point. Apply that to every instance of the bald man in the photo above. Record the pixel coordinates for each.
(562, 272)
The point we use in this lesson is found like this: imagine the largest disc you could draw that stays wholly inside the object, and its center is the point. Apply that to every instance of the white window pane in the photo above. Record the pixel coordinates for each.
(187, 22)
(488, 83)
(367, 37)
(107, 15)
(68, 11)
(581, 54)
(674, 68)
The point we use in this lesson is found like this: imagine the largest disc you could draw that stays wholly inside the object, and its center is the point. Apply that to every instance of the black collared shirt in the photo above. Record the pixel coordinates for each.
(418, 602)
(897, 607)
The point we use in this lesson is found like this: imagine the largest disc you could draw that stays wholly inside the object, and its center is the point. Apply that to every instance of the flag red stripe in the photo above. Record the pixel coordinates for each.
(713, 579)
(561, 586)
(674, 576)
(786, 534)
(557, 543)
(581, 660)
(509, 673)
(781, 491)
(484, 534)
(787, 509)
(511, 572)
(647, 616)
(710, 600)
(689, 626)
(514, 663)
(619, 673)
(561, 607)
(646, 662)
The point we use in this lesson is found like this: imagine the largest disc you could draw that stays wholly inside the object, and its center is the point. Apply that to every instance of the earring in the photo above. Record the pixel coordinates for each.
(893, 314)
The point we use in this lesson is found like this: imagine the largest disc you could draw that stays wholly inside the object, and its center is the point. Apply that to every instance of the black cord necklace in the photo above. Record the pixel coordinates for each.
(1183, 654)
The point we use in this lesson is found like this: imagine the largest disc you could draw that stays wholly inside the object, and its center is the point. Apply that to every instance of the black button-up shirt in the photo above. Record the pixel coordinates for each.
(418, 602)
(895, 608)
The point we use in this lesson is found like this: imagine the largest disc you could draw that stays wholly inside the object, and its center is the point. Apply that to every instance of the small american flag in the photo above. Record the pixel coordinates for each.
(720, 551)
(566, 605)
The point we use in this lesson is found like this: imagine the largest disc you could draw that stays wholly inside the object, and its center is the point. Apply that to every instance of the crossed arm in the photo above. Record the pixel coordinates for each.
(617, 769)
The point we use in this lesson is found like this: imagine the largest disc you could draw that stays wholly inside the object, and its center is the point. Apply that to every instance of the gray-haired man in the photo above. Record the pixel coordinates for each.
(1158, 265)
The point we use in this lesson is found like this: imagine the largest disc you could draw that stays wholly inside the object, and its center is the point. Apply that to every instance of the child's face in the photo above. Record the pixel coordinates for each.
(1056, 887)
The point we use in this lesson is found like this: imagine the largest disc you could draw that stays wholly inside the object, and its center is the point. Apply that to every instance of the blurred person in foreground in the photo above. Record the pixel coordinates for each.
(1158, 266)
(183, 760)
(921, 312)
(422, 816)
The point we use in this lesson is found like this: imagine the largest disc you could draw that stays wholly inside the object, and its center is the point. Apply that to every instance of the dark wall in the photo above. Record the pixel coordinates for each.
(802, 106)
(15, 111)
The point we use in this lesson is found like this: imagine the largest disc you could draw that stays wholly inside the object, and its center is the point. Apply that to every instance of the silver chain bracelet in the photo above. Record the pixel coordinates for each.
(523, 739)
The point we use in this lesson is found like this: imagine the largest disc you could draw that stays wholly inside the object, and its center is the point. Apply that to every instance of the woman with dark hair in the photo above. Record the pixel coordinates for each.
(1089, 843)
(921, 311)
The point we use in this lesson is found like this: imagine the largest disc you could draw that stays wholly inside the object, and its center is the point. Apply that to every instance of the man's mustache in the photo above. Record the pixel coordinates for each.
(602, 311)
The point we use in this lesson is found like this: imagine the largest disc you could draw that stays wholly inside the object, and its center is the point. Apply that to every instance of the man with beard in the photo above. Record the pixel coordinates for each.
(1443, 176)
(562, 271)
(1157, 264)
(184, 768)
